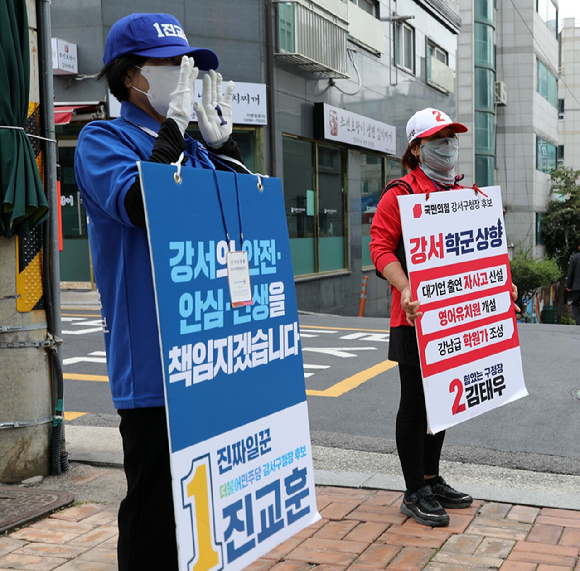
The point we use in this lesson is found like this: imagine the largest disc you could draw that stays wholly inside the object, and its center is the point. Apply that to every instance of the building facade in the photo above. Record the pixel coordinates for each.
(569, 95)
(508, 97)
(338, 81)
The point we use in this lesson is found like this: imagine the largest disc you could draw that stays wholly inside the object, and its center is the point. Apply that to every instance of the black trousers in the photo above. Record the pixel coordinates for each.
(419, 452)
(146, 520)
(575, 298)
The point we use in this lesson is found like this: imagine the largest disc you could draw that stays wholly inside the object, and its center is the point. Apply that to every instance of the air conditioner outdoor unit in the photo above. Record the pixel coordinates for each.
(500, 93)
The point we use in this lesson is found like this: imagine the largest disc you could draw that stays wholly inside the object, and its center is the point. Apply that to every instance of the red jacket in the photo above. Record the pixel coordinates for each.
(386, 232)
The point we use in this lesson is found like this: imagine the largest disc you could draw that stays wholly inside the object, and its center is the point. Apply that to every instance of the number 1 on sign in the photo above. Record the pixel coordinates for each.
(198, 497)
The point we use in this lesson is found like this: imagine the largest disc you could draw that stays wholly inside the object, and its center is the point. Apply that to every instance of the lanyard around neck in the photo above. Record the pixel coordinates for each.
(219, 194)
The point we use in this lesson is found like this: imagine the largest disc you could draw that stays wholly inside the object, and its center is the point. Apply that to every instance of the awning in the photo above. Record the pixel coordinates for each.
(63, 114)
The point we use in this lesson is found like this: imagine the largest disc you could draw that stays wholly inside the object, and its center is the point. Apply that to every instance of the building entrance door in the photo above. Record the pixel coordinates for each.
(75, 265)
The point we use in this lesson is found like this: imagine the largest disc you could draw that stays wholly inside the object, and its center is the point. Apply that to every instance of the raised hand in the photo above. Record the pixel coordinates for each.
(214, 115)
(182, 98)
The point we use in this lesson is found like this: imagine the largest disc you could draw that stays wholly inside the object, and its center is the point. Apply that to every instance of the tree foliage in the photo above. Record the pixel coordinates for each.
(529, 273)
(561, 225)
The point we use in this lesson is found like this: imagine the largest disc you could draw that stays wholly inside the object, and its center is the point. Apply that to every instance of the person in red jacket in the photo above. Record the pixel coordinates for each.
(430, 158)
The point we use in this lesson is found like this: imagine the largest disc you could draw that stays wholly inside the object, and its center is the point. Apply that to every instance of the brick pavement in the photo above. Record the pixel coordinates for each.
(361, 530)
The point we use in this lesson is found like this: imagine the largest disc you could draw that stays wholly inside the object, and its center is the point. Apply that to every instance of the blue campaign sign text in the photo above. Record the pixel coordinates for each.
(224, 366)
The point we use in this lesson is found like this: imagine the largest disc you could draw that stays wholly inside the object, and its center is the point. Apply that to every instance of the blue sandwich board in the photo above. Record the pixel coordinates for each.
(234, 380)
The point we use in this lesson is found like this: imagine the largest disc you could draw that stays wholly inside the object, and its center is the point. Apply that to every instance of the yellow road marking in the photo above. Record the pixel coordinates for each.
(73, 415)
(76, 377)
(344, 329)
(354, 381)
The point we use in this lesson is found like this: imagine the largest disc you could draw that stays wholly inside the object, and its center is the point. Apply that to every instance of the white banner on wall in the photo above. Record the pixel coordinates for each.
(248, 104)
(346, 127)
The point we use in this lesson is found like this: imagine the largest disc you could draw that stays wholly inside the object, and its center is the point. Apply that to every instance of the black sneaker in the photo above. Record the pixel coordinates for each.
(447, 496)
(424, 508)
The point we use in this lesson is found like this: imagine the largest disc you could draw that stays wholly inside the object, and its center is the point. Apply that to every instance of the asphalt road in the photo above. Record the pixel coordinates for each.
(354, 408)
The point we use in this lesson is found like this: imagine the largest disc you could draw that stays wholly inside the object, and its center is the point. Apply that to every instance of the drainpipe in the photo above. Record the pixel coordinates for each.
(51, 269)
(270, 84)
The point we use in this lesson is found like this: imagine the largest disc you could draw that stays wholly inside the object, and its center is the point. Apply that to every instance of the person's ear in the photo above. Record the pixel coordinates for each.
(128, 79)
(416, 151)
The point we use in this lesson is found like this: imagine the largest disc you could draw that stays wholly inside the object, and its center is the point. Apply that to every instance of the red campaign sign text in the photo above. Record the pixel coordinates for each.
(446, 244)
(467, 310)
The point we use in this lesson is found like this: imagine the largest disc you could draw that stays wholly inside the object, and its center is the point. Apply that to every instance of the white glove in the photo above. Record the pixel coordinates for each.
(214, 115)
(182, 98)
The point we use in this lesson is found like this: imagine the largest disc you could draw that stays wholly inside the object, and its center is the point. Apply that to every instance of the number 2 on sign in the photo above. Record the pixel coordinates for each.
(198, 497)
(458, 406)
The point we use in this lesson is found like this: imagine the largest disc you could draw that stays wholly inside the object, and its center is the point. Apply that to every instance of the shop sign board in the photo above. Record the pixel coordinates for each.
(341, 126)
(64, 57)
(458, 264)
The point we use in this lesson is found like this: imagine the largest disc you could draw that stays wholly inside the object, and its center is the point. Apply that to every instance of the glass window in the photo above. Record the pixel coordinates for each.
(314, 199)
(561, 109)
(74, 217)
(434, 52)
(549, 14)
(539, 218)
(484, 170)
(547, 84)
(484, 10)
(484, 132)
(546, 154)
(299, 200)
(405, 47)
(371, 187)
(484, 45)
(560, 155)
(369, 6)
(286, 16)
(331, 225)
(484, 89)
(376, 173)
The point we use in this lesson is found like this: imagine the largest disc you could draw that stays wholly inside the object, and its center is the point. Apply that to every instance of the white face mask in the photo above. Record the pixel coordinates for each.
(162, 81)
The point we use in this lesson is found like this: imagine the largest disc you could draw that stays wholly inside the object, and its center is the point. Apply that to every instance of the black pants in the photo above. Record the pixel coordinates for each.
(575, 298)
(146, 519)
(419, 452)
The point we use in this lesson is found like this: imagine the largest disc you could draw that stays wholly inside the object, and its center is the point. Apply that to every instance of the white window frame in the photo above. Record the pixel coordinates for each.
(436, 49)
(374, 3)
(400, 54)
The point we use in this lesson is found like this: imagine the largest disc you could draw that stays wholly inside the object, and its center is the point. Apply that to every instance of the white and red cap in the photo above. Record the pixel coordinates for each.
(429, 121)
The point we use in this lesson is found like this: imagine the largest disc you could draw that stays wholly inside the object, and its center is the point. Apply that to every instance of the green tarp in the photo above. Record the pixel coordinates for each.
(23, 203)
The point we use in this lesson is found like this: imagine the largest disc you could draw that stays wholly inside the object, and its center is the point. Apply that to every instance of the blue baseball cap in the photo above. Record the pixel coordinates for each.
(156, 36)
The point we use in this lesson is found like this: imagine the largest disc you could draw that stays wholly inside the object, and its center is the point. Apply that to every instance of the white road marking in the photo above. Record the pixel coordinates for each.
(83, 331)
(73, 360)
(319, 331)
(98, 353)
(84, 322)
(338, 351)
(306, 375)
(381, 337)
(316, 366)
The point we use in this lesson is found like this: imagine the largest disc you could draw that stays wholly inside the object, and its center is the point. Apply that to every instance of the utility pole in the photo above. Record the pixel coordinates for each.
(26, 383)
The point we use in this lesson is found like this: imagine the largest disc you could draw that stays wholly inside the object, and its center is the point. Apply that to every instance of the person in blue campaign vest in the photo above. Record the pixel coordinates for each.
(151, 68)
